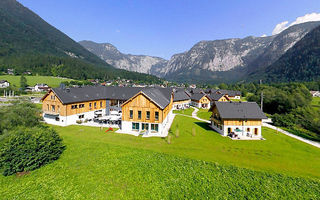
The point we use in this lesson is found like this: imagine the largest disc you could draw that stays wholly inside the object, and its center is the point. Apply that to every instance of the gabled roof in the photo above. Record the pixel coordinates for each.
(81, 94)
(239, 110)
(160, 96)
(216, 96)
(180, 96)
(198, 96)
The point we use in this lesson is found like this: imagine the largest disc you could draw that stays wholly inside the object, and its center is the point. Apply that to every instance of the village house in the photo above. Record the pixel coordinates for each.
(4, 84)
(240, 120)
(218, 97)
(181, 100)
(41, 87)
(138, 110)
(200, 100)
(315, 93)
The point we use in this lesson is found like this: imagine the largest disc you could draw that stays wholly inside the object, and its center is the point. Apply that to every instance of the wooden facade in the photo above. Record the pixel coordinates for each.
(204, 100)
(52, 105)
(181, 102)
(148, 109)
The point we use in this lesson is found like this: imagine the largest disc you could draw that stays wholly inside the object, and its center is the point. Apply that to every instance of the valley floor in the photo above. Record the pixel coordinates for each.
(99, 165)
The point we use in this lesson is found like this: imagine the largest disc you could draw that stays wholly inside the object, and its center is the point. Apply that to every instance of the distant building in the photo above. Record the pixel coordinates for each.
(10, 71)
(237, 119)
(315, 93)
(200, 100)
(4, 84)
(41, 87)
(181, 100)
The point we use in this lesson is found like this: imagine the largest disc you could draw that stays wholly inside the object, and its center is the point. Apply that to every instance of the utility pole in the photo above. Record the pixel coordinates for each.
(261, 97)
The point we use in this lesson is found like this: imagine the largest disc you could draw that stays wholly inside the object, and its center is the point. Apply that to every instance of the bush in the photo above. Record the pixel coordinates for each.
(26, 149)
(285, 120)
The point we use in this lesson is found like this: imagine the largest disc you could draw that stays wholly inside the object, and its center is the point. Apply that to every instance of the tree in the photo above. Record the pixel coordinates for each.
(23, 82)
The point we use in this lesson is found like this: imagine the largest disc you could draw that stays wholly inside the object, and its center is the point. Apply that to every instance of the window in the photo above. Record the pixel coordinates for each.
(131, 114)
(100, 104)
(135, 126)
(90, 106)
(81, 116)
(145, 126)
(57, 119)
(74, 106)
(139, 114)
(156, 115)
(58, 108)
(48, 107)
(81, 105)
(148, 115)
(248, 129)
(53, 108)
(53, 97)
(155, 127)
(95, 104)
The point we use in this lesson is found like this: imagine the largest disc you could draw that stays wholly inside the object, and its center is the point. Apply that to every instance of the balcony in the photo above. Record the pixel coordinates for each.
(48, 112)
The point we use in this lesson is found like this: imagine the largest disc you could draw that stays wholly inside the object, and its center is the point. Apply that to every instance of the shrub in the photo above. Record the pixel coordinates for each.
(79, 121)
(26, 149)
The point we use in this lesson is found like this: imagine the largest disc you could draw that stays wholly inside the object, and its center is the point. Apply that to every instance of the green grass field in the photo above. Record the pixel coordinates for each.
(204, 114)
(99, 165)
(32, 80)
(185, 111)
(316, 103)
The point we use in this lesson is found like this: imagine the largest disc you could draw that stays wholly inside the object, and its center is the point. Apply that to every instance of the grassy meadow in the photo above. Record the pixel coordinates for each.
(316, 103)
(33, 80)
(184, 111)
(99, 165)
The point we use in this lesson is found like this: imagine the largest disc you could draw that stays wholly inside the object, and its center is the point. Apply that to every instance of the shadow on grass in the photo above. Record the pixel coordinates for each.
(204, 125)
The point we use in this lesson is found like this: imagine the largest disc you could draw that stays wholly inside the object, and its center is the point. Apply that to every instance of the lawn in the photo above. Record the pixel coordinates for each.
(184, 111)
(316, 103)
(204, 114)
(99, 165)
(32, 80)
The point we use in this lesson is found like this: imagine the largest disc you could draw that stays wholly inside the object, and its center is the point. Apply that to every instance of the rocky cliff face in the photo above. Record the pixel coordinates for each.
(137, 63)
(209, 61)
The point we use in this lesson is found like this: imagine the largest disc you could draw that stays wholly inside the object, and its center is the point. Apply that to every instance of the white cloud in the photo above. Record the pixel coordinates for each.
(264, 35)
(307, 18)
(280, 27)
(117, 31)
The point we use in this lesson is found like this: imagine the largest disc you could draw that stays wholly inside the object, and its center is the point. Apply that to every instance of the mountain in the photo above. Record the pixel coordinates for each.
(299, 63)
(232, 59)
(136, 63)
(27, 42)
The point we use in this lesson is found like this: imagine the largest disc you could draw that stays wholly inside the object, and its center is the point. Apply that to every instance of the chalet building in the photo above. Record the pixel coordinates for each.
(218, 97)
(181, 100)
(140, 109)
(231, 94)
(148, 111)
(41, 87)
(315, 93)
(200, 100)
(237, 119)
(4, 84)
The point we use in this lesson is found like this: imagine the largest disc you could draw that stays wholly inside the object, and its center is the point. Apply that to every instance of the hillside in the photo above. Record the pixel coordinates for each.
(27, 42)
(137, 63)
(300, 63)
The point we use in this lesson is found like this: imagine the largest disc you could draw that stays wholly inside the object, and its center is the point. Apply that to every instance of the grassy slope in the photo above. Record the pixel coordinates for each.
(32, 80)
(185, 111)
(97, 165)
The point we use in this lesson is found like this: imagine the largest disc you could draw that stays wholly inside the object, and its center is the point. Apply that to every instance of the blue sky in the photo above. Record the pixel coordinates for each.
(165, 27)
